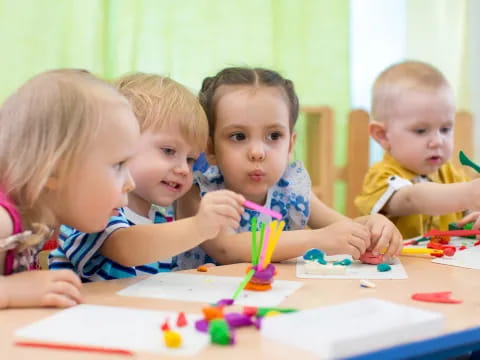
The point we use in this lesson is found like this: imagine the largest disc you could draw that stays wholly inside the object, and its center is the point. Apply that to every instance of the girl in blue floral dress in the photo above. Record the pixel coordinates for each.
(252, 114)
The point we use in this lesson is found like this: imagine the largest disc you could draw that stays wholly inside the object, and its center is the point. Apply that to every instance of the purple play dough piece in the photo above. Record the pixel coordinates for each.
(235, 320)
(258, 322)
(201, 325)
(225, 302)
(264, 274)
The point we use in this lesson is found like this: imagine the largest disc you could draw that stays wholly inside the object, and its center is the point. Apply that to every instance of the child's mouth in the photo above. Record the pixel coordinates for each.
(172, 186)
(434, 159)
(256, 175)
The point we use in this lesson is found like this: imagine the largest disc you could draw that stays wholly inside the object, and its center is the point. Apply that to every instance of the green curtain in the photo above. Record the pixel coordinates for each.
(306, 40)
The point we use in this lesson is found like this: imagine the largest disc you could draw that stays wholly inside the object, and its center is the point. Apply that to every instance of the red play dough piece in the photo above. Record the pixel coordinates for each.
(165, 325)
(181, 319)
(436, 297)
(369, 258)
(449, 251)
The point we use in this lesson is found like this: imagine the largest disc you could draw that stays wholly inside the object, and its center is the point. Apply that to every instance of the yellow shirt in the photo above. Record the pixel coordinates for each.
(387, 176)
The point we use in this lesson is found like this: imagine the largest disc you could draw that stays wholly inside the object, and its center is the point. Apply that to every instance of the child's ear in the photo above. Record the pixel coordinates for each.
(210, 153)
(378, 132)
(291, 147)
(52, 183)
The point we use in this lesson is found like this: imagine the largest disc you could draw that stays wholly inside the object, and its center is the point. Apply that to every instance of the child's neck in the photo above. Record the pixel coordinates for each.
(138, 204)
(257, 199)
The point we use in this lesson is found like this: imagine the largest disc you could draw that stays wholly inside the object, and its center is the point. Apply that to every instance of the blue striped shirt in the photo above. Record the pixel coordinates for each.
(81, 252)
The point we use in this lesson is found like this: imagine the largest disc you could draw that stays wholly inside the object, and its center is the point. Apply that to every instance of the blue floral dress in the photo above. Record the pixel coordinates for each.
(290, 196)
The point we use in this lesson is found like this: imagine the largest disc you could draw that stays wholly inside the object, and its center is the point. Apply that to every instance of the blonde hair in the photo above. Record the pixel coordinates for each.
(401, 77)
(45, 126)
(159, 101)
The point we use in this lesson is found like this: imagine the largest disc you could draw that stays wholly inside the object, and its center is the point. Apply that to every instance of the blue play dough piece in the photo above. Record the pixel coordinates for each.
(312, 254)
(315, 254)
(344, 262)
(383, 267)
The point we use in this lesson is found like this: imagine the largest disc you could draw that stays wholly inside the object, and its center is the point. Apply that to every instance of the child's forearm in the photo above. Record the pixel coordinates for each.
(3, 292)
(143, 244)
(236, 248)
(431, 199)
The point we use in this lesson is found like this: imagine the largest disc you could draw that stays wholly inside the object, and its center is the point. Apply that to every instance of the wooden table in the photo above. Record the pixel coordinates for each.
(423, 276)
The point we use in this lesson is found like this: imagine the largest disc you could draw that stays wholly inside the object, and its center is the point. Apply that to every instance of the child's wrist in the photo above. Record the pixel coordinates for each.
(199, 228)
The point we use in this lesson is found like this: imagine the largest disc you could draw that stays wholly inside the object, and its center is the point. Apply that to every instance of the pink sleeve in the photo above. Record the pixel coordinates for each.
(17, 227)
(12, 211)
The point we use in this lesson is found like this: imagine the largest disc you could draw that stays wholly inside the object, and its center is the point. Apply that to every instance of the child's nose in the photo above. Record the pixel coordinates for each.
(129, 184)
(435, 140)
(182, 168)
(256, 152)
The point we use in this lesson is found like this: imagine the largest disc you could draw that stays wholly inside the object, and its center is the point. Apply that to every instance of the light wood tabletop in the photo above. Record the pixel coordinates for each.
(423, 276)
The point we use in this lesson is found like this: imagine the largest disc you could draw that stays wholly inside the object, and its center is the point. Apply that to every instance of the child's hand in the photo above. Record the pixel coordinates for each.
(59, 288)
(345, 237)
(471, 217)
(219, 209)
(384, 235)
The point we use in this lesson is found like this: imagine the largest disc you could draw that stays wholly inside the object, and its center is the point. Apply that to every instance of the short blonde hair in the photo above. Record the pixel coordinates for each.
(159, 101)
(45, 126)
(401, 77)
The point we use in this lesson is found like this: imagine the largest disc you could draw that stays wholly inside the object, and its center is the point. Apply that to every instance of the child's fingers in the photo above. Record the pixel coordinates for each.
(57, 300)
(354, 251)
(468, 218)
(229, 200)
(362, 233)
(226, 211)
(68, 276)
(476, 224)
(67, 289)
(359, 244)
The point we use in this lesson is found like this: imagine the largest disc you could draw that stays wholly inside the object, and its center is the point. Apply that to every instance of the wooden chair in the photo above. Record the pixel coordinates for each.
(320, 122)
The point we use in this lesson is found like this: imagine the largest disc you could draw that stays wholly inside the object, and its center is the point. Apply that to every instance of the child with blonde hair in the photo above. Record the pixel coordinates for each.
(142, 239)
(47, 177)
(252, 114)
(415, 185)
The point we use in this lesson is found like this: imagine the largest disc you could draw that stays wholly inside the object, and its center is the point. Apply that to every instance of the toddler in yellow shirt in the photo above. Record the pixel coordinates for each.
(415, 185)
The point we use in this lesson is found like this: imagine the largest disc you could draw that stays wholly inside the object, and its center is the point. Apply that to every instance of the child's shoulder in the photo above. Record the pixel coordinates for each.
(450, 173)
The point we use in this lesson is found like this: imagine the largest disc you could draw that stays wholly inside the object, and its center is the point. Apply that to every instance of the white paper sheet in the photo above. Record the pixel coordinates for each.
(208, 289)
(468, 258)
(356, 270)
(115, 327)
(352, 328)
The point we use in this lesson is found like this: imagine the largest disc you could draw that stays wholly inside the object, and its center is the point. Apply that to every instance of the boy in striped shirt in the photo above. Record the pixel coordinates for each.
(141, 238)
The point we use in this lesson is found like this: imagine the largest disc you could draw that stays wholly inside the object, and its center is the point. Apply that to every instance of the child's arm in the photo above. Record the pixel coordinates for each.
(142, 244)
(342, 236)
(321, 215)
(383, 233)
(40, 288)
(434, 199)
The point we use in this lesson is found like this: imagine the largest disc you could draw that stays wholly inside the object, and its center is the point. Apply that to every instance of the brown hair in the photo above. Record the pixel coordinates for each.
(245, 76)
(45, 126)
(401, 77)
(159, 101)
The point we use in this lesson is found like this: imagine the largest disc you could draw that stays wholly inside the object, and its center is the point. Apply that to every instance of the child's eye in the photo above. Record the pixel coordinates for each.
(168, 151)
(119, 166)
(419, 131)
(274, 136)
(191, 161)
(445, 130)
(238, 136)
